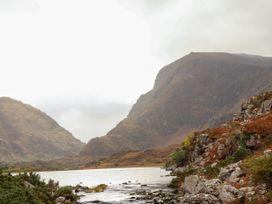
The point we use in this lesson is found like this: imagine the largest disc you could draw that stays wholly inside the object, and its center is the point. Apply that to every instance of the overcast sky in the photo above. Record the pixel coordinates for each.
(85, 62)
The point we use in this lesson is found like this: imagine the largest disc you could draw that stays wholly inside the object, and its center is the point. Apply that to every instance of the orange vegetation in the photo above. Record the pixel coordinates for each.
(262, 125)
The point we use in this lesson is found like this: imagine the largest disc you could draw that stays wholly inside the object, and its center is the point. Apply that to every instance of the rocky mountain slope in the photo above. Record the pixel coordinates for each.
(231, 163)
(28, 134)
(198, 90)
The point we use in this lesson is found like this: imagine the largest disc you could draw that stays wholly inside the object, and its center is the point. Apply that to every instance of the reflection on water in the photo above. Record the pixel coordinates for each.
(121, 181)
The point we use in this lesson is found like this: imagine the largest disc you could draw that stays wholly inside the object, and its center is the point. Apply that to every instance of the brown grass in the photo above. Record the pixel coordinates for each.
(262, 125)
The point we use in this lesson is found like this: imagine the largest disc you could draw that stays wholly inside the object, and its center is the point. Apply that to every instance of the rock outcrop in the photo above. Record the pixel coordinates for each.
(196, 91)
(27, 134)
(231, 163)
(256, 106)
(197, 189)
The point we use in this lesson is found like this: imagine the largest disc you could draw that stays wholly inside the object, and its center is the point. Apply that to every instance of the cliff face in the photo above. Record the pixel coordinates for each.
(198, 90)
(28, 134)
(231, 163)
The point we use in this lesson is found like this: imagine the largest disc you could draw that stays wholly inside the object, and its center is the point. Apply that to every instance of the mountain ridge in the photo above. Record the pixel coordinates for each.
(187, 93)
(26, 134)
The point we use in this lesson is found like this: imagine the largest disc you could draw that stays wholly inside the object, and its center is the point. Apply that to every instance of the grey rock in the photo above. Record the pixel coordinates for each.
(60, 200)
(212, 186)
(220, 150)
(179, 170)
(193, 184)
(231, 172)
(200, 199)
(228, 194)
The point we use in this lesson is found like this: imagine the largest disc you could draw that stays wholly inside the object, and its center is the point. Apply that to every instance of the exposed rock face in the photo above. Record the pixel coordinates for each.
(229, 194)
(255, 106)
(197, 189)
(231, 173)
(198, 90)
(193, 184)
(28, 134)
(230, 163)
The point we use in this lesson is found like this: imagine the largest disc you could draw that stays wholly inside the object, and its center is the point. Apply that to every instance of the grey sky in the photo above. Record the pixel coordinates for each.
(85, 62)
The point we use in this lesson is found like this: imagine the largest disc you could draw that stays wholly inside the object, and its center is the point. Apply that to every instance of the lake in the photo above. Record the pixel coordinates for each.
(121, 181)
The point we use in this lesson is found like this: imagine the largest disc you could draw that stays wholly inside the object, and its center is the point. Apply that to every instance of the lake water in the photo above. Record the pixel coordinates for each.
(121, 181)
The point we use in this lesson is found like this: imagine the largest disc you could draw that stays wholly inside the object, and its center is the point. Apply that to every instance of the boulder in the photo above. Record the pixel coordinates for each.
(212, 186)
(229, 194)
(60, 200)
(193, 184)
(231, 173)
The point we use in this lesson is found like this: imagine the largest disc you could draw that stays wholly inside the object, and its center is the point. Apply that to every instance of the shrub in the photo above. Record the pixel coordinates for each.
(66, 192)
(187, 142)
(261, 168)
(28, 188)
(13, 191)
(243, 139)
(180, 157)
(211, 172)
(240, 154)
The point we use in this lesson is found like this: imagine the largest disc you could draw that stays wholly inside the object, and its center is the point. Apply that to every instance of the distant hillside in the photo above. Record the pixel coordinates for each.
(150, 157)
(198, 90)
(28, 134)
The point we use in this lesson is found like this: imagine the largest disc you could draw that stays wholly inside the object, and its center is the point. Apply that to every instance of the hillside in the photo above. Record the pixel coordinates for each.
(149, 157)
(28, 134)
(231, 163)
(196, 91)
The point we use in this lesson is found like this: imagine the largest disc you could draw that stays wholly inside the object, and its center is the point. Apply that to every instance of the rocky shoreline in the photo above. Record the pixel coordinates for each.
(140, 194)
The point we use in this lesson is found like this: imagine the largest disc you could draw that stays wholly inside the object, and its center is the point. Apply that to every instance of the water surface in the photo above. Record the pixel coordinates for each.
(121, 181)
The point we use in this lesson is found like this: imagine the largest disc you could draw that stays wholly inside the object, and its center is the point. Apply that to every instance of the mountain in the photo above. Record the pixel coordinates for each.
(196, 91)
(28, 134)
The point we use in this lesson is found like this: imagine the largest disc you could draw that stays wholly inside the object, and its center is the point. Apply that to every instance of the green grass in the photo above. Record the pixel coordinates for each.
(260, 168)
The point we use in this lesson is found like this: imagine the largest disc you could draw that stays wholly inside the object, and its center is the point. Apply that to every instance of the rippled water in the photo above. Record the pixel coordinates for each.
(116, 178)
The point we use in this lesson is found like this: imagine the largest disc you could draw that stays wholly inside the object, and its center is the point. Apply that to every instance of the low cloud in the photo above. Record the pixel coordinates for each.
(19, 6)
(181, 27)
(86, 118)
